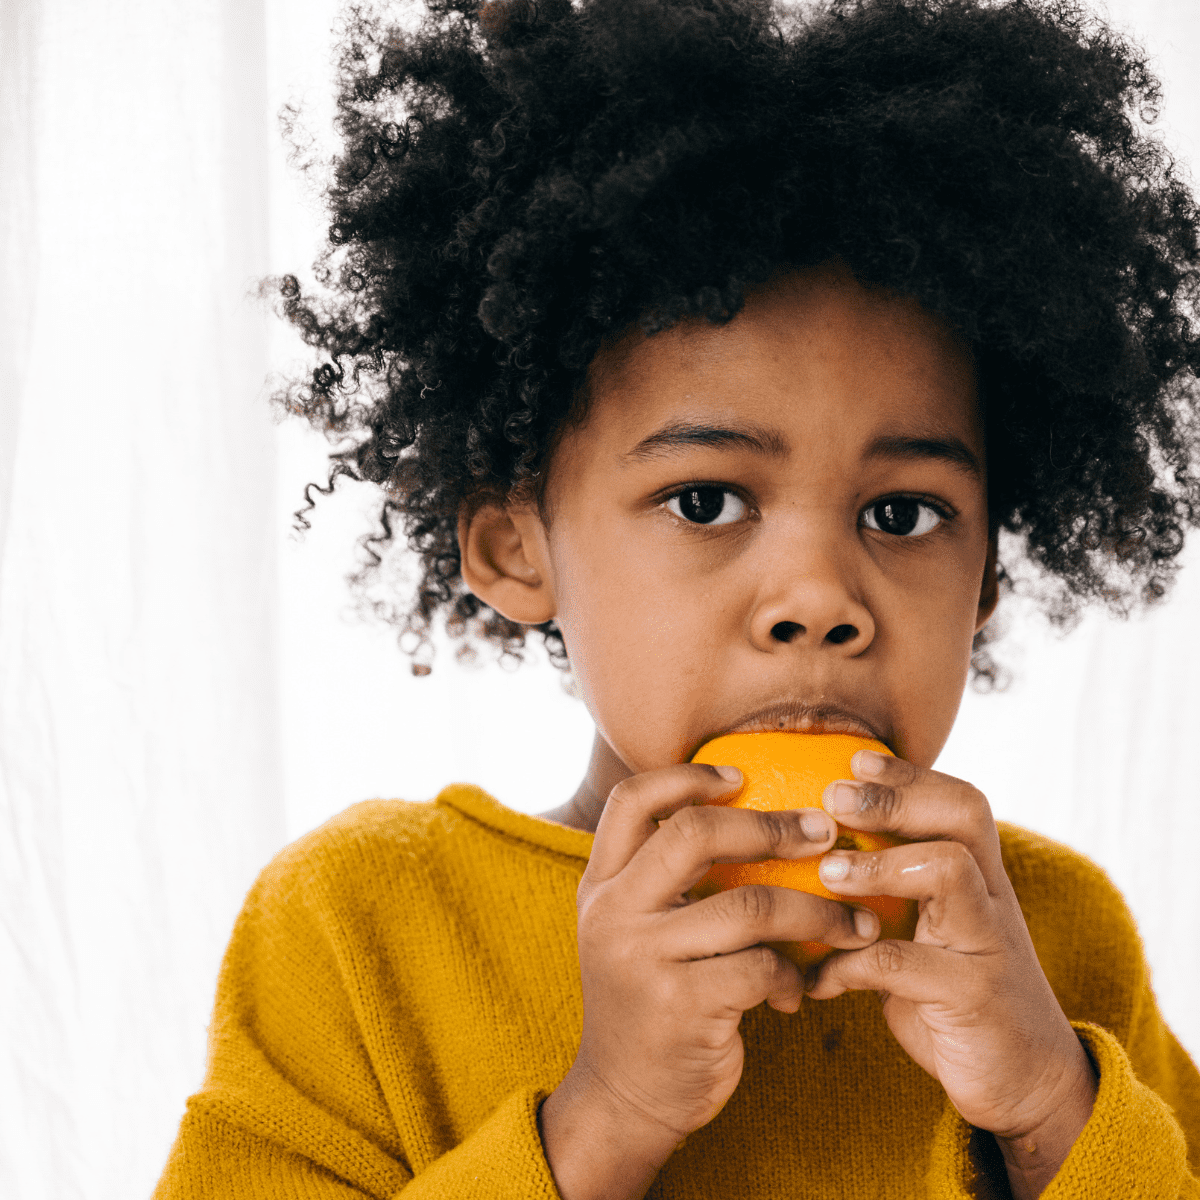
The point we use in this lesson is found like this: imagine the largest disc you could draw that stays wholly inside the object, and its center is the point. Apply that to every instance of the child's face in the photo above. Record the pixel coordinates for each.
(778, 604)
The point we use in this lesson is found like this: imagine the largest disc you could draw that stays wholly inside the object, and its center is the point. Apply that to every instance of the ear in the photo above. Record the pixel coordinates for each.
(506, 561)
(989, 592)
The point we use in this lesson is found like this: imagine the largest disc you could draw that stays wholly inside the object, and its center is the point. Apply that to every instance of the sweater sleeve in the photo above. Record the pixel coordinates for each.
(215, 1155)
(1132, 1146)
(292, 1105)
(1143, 1137)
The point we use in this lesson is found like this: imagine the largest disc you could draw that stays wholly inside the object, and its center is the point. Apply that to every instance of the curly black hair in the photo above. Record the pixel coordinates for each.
(522, 179)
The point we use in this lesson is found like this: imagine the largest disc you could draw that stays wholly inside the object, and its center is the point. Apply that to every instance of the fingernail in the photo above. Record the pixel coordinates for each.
(833, 869)
(842, 797)
(868, 762)
(729, 774)
(814, 826)
(864, 922)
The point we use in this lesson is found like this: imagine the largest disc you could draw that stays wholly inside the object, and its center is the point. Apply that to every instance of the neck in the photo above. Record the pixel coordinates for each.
(605, 770)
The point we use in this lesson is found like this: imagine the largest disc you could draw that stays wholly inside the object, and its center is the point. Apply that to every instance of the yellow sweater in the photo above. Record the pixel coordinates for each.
(402, 990)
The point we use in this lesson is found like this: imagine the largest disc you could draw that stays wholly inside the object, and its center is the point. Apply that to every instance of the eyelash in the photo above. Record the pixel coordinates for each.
(678, 493)
(725, 490)
(942, 512)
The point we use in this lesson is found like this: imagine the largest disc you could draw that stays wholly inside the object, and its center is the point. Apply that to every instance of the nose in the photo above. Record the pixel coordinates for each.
(811, 600)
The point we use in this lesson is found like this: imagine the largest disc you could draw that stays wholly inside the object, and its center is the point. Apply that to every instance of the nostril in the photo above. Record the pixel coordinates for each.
(841, 633)
(784, 631)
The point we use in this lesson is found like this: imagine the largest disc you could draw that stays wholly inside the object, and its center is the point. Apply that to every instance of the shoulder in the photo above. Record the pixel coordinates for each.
(334, 877)
(405, 855)
(1042, 864)
(1085, 936)
(1061, 891)
(376, 845)
(335, 896)
(365, 838)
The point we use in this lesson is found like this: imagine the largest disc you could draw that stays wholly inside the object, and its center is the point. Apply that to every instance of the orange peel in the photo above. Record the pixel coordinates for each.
(791, 770)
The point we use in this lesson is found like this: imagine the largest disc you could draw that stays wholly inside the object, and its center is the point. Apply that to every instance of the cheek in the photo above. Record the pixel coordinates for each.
(616, 611)
(637, 640)
(926, 644)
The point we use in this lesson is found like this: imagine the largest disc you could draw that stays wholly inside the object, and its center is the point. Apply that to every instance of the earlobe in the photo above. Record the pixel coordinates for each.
(989, 592)
(505, 562)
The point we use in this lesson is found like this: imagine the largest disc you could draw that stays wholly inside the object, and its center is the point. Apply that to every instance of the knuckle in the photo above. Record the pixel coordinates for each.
(763, 962)
(589, 898)
(777, 827)
(691, 826)
(880, 800)
(755, 903)
(593, 924)
(711, 1039)
(779, 968)
(959, 855)
(973, 801)
(867, 865)
(669, 991)
(957, 862)
(626, 793)
(890, 957)
(954, 859)
(621, 957)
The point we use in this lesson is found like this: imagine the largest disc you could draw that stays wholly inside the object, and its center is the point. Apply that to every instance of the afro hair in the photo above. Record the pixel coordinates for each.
(520, 180)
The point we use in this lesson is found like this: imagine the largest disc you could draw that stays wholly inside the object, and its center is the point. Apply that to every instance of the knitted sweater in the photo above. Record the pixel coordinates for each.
(402, 991)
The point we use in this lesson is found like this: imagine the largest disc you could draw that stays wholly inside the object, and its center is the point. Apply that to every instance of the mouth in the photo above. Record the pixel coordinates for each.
(797, 717)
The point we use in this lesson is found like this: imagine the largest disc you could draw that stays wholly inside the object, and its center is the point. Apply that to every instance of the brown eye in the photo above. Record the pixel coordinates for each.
(707, 505)
(902, 516)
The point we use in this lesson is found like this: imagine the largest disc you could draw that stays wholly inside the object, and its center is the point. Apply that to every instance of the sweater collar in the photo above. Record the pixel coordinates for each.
(475, 803)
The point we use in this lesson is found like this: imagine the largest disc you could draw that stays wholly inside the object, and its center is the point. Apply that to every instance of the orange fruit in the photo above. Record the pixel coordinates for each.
(792, 770)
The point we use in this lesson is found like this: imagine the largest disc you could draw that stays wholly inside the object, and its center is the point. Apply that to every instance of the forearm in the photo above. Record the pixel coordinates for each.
(592, 1152)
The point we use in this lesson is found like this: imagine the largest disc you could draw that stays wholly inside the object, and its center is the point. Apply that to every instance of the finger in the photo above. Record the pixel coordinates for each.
(755, 913)
(956, 909)
(678, 856)
(744, 980)
(630, 813)
(911, 971)
(894, 796)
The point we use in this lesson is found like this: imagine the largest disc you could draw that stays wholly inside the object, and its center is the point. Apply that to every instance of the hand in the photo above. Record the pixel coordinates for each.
(667, 977)
(967, 998)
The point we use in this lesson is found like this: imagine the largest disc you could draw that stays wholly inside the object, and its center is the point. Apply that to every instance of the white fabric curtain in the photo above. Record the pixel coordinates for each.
(181, 688)
(139, 718)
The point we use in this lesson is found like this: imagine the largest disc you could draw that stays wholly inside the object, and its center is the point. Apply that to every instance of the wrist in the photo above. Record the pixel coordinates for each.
(1032, 1159)
(595, 1151)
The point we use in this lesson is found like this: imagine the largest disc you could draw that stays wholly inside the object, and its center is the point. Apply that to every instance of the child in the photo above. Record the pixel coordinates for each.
(717, 346)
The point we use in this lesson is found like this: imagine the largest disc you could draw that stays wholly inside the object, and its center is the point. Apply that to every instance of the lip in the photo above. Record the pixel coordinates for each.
(794, 716)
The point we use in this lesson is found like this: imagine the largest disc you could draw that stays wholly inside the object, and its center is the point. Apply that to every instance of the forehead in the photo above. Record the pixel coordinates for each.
(813, 356)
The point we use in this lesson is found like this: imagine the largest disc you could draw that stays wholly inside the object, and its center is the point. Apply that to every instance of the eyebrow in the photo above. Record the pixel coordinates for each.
(951, 450)
(680, 435)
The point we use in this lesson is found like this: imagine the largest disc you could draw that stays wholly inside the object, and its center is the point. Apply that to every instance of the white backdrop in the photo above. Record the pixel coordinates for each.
(184, 688)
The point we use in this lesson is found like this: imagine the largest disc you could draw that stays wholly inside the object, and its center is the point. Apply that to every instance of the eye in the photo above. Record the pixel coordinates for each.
(708, 505)
(902, 515)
